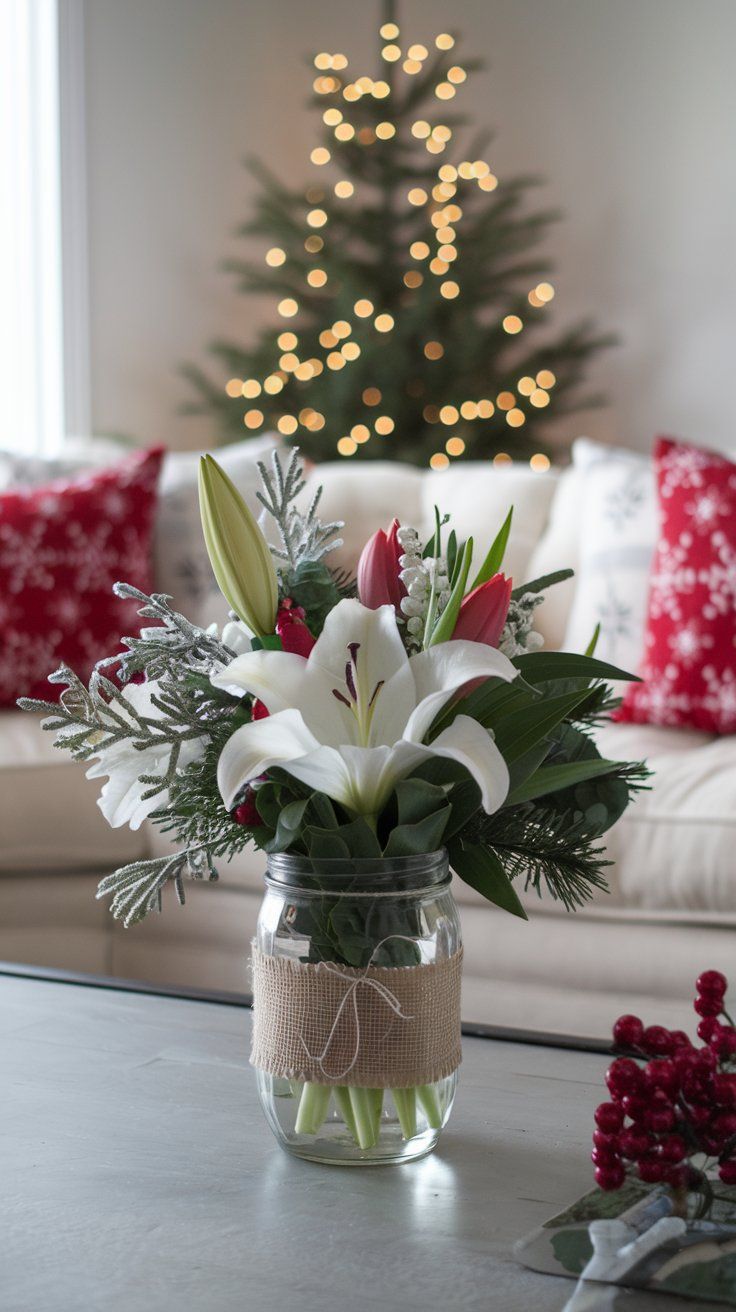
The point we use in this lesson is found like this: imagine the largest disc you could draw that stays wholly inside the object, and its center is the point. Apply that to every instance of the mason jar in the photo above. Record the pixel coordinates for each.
(356, 983)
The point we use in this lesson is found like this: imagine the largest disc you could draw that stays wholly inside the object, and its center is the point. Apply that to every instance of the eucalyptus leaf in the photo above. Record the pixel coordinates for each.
(416, 799)
(417, 839)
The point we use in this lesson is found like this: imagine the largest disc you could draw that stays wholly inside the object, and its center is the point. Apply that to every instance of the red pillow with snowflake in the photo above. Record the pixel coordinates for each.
(62, 547)
(689, 664)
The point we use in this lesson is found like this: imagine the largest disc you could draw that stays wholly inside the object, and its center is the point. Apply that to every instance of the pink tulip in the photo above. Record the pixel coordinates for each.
(378, 570)
(483, 612)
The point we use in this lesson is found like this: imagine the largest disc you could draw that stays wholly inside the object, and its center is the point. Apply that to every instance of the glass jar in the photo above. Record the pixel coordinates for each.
(366, 932)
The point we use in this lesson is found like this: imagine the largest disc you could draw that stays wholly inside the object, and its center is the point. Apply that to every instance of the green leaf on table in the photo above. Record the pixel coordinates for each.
(482, 870)
(494, 560)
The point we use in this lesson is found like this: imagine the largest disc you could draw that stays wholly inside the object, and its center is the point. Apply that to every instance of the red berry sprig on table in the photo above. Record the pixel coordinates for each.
(679, 1106)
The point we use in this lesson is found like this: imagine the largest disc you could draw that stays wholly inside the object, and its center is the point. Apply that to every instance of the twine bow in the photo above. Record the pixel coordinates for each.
(351, 997)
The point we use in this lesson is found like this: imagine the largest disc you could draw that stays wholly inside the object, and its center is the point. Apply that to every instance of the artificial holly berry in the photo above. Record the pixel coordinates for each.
(724, 1043)
(724, 1090)
(636, 1108)
(727, 1171)
(634, 1144)
(657, 1041)
(672, 1148)
(610, 1177)
(679, 1040)
(651, 1170)
(602, 1157)
(609, 1117)
(723, 1126)
(709, 1004)
(708, 1027)
(627, 1032)
(662, 1075)
(608, 1142)
(623, 1077)
(711, 981)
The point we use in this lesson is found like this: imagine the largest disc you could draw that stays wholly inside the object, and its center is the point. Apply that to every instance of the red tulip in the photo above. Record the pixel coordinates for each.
(483, 612)
(378, 570)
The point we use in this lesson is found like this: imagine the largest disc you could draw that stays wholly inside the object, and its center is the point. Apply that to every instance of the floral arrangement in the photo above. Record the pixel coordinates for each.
(392, 716)
(672, 1120)
(406, 711)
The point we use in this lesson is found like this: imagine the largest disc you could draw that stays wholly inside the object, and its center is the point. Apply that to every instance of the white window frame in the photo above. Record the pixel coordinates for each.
(44, 330)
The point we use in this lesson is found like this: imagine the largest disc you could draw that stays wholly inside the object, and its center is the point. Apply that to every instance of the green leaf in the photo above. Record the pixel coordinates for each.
(494, 560)
(544, 666)
(541, 584)
(482, 870)
(417, 839)
(464, 799)
(451, 555)
(446, 623)
(325, 844)
(551, 778)
(357, 838)
(521, 769)
(416, 799)
(519, 732)
(322, 811)
(589, 650)
(288, 827)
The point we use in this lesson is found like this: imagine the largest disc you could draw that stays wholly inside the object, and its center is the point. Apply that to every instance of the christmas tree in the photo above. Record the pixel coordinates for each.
(412, 305)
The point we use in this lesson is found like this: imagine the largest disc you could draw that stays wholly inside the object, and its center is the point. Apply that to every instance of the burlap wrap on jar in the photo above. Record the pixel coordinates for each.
(380, 1027)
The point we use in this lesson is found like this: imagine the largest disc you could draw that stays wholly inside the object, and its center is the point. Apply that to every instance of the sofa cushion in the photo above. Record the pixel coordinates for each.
(49, 819)
(366, 498)
(558, 548)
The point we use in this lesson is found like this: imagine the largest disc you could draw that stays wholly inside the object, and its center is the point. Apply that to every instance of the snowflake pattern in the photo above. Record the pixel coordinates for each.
(62, 547)
(689, 666)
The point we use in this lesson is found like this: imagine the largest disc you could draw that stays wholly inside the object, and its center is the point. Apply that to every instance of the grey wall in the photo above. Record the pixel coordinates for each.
(628, 107)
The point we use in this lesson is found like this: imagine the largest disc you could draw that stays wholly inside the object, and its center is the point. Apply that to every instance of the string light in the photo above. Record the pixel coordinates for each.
(339, 61)
(389, 31)
(512, 324)
(347, 447)
(385, 131)
(447, 253)
(515, 418)
(383, 323)
(384, 425)
(444, 91)
(545, 291)
(253, 418)
(545, 378)
(539, 463)
(289, 362)
(234, 387)
(327, 338)
(287, 341)
(539, 398)
(413, 278)
(350, 350)
(439, 460)
(412, 66)
(485, 409)
(314, 195)
(320, 155)
(420, 129)
(449, 414)
(304, 371)
(323, 61)
(456, 74)
(505, 400)
(366, 136)
(438, 266)
(431, 414)
(454, 446)
(447, 172)
(332, 117)
(341, 328)
(288, 307)
(434, 350)
(488, 183)
(316, 278)
(273, 384)
(344, 189)
(481, 169)
(275, 257)
(363, 308)
(444, 41)
(372, 396)
(502, 458)
(417, 52)
(419, 250)
(251, 389)
(534, 300)
(417, 196)
(351, 92)
(449, 290)
(469, 410)
(287, 425)
(391, 53)
(345, 132)
(364, 85)
(335, 360)
(314, 244)
(316, 218)
(445, 234)
(317, 367)
(442, 132)
(380, 90)
(526, 385)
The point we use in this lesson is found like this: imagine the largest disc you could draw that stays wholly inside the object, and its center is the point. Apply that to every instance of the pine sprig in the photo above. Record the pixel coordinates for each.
(545, 848)
(303, 536)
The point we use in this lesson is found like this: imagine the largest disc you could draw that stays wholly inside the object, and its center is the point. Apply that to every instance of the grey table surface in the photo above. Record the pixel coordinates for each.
(138, 1172)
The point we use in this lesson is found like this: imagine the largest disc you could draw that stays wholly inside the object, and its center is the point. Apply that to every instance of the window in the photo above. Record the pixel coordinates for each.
(41, 371)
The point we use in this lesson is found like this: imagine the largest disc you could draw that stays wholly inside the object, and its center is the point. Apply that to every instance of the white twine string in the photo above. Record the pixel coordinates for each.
(351, 996)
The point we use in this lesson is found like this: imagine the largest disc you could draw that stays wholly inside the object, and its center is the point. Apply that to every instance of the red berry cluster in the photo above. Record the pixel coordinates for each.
(679, 1105)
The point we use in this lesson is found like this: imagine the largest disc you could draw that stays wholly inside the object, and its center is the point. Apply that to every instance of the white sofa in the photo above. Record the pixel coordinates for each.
(671, 909)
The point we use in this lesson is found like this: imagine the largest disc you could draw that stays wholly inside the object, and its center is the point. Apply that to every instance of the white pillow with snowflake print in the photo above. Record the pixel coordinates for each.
(618, 533)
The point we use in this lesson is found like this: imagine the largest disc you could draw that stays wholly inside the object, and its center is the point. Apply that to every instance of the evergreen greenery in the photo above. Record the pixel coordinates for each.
(396, 270)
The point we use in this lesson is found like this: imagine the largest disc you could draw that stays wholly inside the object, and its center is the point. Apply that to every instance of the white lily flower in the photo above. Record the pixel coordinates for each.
(350, 720)
(121, 800)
